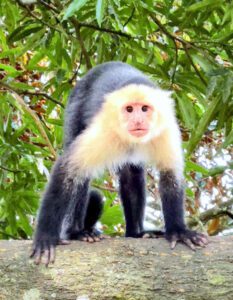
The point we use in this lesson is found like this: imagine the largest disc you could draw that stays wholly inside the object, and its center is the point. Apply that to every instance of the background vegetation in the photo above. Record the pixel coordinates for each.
(45, 46)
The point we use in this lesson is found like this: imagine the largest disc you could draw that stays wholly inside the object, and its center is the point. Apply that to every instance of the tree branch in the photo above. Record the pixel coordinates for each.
(217, 211)
(43, 95)
(79, 37)
(76, 72)
(176, 62)
(130, 17)
(193, 65)
(117, 32)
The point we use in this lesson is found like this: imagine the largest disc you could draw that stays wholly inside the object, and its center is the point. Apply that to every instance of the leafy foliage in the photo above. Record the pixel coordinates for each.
(185, 46)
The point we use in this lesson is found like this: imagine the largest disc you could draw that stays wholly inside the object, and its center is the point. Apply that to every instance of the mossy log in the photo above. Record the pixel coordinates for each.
(129, 269)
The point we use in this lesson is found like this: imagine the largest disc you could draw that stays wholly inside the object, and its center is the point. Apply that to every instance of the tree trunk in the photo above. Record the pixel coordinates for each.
(128, 269)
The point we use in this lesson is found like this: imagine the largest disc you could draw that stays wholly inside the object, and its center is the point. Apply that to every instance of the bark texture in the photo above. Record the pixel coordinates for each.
(129, 269)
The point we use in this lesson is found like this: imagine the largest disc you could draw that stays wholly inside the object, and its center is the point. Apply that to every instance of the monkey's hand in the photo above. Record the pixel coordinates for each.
(188, 237)
(43, 249)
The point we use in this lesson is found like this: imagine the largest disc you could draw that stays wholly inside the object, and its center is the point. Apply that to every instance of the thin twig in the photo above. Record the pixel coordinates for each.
(76, 72)
(130, 17)
(43, 95)
(193, 65)
(117, 32)
(79, 37)
(176, 62)
(49, 6)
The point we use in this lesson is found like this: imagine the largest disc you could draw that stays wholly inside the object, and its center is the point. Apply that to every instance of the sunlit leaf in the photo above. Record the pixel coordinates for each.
(100, 7)
(74, 6)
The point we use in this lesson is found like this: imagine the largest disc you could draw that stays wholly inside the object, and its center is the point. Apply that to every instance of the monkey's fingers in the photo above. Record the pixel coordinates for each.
(188, 243)
(46, 256)
(173, 244)
(32, 253)
(200, 240)
(49, 256)
(38, 255)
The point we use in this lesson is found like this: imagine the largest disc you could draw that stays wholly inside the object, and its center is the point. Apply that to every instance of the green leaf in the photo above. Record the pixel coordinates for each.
(228, 140)
(10, 70)
(112, 216)
(74, 6)
(187, 111)
(191, 166)
(203, 124)
(204, 4)
(23, 31)
(100, 8)
(227, 88)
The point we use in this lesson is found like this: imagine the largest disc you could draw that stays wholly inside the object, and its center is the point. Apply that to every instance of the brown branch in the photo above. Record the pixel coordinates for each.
(117, 32)
(49, 6)
(217, 211)
(193, 65)
(43, 95)
(76, 72)
(176, 62)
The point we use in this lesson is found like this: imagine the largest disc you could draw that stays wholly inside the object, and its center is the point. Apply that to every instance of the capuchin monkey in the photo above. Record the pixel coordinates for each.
(116, 119)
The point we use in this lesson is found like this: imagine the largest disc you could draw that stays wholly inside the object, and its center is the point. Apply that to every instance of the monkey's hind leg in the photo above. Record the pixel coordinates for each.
(93, 213)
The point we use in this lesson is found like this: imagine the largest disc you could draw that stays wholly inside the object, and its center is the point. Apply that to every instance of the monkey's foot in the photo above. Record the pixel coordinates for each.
(152, 234)
(188, 237)
(90, 236)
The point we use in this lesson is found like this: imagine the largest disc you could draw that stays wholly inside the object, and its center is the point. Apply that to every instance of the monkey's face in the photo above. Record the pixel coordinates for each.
(137, 118)
(137, 113)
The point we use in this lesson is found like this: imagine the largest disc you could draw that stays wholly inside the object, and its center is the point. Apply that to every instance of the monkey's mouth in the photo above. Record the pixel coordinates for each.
(138, 132)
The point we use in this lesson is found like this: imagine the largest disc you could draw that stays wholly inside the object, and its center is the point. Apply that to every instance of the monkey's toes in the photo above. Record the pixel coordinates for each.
(91, 236)
(189, 238)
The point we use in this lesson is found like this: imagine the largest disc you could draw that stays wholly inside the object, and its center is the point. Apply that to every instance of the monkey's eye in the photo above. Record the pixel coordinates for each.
(129, 108)
(145, 108)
